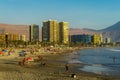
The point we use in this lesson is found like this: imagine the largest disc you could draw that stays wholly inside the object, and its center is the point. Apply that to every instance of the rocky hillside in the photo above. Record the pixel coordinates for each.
(113, 32)
(15, 29)
(75, 31)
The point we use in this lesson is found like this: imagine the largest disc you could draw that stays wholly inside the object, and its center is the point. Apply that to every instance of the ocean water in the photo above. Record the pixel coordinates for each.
(105, 61)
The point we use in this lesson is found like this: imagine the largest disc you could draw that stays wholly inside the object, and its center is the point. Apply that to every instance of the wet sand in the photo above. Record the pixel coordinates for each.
(54, 68)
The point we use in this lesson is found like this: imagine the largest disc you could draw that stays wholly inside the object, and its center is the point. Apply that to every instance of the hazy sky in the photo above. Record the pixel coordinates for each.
(94, 14)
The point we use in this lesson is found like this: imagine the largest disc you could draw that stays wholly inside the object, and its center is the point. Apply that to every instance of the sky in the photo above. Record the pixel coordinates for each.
(93, 14)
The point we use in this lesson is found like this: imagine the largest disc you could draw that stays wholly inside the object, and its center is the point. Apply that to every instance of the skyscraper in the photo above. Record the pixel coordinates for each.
(34, 33)
(63, 32)
(50, 31)
(53, 31)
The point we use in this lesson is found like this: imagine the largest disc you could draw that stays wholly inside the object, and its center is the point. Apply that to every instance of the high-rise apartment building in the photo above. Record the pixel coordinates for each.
(50, 31)
(63, 32)
(53, 31)
(34, 33)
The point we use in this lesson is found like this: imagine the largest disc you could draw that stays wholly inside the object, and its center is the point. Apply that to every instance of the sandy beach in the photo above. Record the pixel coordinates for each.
(51, 67)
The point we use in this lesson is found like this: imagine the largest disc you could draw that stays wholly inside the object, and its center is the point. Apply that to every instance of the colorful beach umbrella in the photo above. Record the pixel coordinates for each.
(4, 50)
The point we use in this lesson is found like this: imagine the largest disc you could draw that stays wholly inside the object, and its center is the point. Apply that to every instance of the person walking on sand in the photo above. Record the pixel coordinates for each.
(66, 67)
(24, 61)
(9, 52)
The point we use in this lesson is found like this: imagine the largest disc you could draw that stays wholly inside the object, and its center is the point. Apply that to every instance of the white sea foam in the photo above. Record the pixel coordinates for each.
(75, 61)
(95, 68)
(115, 50)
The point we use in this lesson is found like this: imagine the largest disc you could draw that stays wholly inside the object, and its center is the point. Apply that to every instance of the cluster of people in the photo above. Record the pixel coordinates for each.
(10, 52)
(26, 60)
(22, 53)
(4, 52)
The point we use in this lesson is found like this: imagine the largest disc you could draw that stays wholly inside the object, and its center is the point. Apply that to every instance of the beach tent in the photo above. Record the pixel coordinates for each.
(30, 59)
(1, 53)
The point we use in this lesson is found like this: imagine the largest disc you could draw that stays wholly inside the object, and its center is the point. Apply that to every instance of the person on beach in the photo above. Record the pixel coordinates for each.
(32, 51)
(9, 53)
(24, 61)
(66, 67)
(40, 58)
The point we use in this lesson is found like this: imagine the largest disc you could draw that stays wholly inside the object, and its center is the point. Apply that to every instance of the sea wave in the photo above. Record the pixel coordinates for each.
(75, 61)
(115, 50)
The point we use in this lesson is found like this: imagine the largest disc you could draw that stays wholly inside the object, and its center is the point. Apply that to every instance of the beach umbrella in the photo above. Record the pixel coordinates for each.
(4, 50)
(21, 53)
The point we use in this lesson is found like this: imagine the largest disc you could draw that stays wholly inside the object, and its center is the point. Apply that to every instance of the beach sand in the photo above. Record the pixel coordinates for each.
(51, 67)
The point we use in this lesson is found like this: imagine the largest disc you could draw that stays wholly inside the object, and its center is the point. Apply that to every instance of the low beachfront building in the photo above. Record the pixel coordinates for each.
(83, 38)
(12, 37)
(107, 40)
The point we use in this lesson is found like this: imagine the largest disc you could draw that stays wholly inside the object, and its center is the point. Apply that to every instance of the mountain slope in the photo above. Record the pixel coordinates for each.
(114, 27)
(113, 32)
(75, 31)
(14, 29)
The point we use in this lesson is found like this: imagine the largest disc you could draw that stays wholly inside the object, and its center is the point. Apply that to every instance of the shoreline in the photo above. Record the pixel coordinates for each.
(91, 75)
(53, 70)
